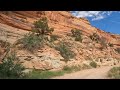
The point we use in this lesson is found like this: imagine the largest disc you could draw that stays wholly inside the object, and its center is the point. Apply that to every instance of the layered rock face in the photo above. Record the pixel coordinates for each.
(14, 24)
(62, 21)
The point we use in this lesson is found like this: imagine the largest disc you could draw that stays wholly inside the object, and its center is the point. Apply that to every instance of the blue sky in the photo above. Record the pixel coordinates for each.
(108, 21)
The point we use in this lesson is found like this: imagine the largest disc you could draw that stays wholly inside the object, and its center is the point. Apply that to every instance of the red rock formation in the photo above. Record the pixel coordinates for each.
(62, 21)
(22, 22)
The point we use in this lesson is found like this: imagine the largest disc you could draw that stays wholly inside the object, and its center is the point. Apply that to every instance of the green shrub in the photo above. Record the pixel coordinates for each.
(65, 51)
(95, 37)
(76, 68)
(69, 69)
(78, 38)
(38, 37)
(11, 68)
(110, 44)
(117, 50)
(37, 74)
(77, 34)
(114, 73)
(53, 38)
(93, 64)
(32, 42)
(85, 66)
(102, 40)
(41, 27)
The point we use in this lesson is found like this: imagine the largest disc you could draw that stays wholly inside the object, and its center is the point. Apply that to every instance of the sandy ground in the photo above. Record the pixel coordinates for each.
(95, 73)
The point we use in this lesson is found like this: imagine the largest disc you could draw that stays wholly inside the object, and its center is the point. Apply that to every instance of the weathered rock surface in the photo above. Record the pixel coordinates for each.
(14, 24)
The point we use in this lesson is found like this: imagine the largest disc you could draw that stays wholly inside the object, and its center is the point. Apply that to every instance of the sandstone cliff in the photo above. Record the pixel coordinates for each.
(62, 22)
(14, 24)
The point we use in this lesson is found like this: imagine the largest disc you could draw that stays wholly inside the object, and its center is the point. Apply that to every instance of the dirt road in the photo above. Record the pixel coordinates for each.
(95, 73)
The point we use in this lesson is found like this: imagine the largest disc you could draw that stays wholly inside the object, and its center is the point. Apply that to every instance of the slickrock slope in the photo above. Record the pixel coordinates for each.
(14, 24)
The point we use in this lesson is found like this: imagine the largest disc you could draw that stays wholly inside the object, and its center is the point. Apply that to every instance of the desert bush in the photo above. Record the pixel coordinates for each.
(114, 73)
(102, 40)
(32, 42)
(77, 34)
(93, 64)
(69, 69)
(117, 50)
(41, 27)
(85, 66)
(65, 51)
(11, 68)
(53, 38)
(110, 44)
(95, 37)
(76, 68)
(38, 37)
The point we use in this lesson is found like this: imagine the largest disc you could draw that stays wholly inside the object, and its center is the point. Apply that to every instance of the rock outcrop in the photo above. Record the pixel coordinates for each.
(62, 21)
(14, 24)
